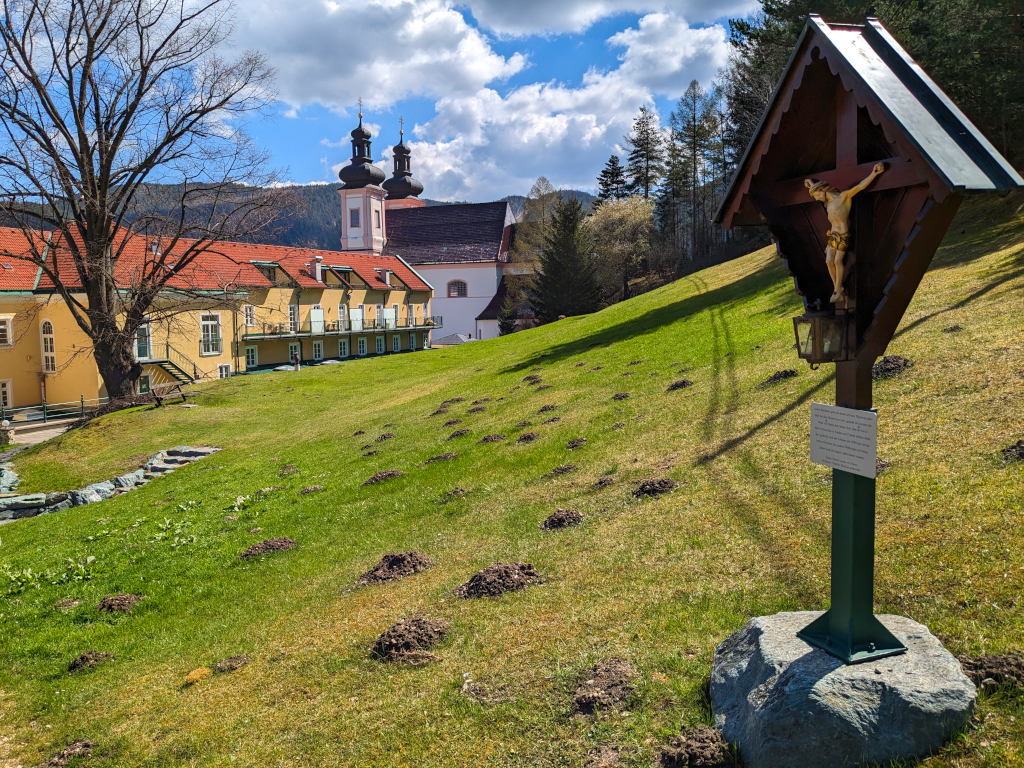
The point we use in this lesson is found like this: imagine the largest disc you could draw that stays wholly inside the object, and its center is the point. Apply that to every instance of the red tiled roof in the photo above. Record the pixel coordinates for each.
(15, 274)
(222, 266)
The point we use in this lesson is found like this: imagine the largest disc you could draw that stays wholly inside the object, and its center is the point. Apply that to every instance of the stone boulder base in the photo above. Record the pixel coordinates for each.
(789, 705)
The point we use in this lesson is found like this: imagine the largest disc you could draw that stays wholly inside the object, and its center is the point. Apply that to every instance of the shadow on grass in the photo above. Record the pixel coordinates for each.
(720, 299)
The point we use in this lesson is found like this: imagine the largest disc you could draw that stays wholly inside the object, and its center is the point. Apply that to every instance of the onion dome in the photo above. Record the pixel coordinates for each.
(361, 172)
(402, 184)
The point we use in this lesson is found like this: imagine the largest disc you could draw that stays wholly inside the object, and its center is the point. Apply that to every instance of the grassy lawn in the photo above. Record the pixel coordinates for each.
(659, 581)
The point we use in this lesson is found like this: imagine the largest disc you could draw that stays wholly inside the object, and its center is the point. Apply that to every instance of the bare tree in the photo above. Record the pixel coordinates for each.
(121, 123)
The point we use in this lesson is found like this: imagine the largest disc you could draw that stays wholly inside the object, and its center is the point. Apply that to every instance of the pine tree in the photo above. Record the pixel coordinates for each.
(507, 317)
(611, 182)
(566, 283)
(646, 163)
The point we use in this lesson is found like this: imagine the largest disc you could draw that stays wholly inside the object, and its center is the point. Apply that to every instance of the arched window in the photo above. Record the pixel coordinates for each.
(457, 289)
(49, 355)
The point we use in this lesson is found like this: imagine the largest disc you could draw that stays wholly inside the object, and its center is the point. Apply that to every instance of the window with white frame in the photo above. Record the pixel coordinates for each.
(426, 341)
(209, 326)
(49, 347)
(6, 331)
(6, 393)
(143, 343)
(457, 289)
(249, 313)
(293, 318)
(380, 345)
(318, 350)
(252, 357)
(294, 348)
(145, 384)
(342, 347)
(396, 343)
(361, 345)
(224, 371)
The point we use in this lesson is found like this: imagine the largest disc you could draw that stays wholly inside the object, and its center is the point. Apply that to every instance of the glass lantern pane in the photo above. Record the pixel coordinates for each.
(832, 341)
(805, 338)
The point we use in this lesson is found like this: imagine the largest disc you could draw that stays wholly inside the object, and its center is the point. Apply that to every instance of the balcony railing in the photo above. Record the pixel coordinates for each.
(338, 328)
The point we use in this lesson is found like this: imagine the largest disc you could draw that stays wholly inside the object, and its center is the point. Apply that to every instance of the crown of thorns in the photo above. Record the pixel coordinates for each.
(821, 186)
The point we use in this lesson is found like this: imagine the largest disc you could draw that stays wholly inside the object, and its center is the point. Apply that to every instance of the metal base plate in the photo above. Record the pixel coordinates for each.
(872, 642)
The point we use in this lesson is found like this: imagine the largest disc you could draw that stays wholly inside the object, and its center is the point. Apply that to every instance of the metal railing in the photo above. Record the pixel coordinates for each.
(338, 327)
(46, 412)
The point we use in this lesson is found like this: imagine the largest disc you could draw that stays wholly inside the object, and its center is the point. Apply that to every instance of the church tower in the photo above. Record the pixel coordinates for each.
(362, 198)
(403, 190)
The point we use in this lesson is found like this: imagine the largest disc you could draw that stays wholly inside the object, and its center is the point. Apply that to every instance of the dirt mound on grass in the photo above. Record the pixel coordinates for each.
(440, 412)
(481, 401)
(989, 672)
(366, 447)
(618, 425)
(778, 376)
(608, 683)
(288, 469)
(491, 439)
(532, 379)
(357, 433)
(596, 368)
(88, 660)
(562, 470)
(654, 487)
(66, 604)
(953, 329)
(279, 544)
(119, 603)
(702, 747)
(604, 482)
(78, 748)
(537, 368)
(409, 640)
(881, 465)
(579, 442)
(396, 565)
(680, 384)
(452, 422)
(368, 454)
(606, 757)
(453, 400)
(547, 408)
(1013, 452)
(478, 409)
(525, 424)
(311, 489)
(543, 386)
(232, 663)
(441, 457)
(889, 366)
(636, 362)
(385, 436)
(458, 433)
(499, 578)
(552, 420)
(384, 474)
(562, 518)
(620, 396)
(457, 492)
(527, 437)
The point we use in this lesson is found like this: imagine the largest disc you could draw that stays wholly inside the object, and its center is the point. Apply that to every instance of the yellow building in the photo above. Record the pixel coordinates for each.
(237, 308)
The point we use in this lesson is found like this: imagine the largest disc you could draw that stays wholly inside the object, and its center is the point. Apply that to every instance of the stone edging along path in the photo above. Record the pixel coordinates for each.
(32, 504)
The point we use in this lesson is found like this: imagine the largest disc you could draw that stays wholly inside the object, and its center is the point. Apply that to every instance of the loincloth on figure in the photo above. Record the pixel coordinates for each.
(838, 241)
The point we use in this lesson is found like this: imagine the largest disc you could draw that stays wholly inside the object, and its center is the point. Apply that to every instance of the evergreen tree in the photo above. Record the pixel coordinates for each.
(507, 317)
(566, 283)
(646, 163)
(611, 182)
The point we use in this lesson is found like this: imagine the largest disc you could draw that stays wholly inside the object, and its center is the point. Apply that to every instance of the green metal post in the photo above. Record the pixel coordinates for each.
(44, 410)
(849, 629)
(82, 398)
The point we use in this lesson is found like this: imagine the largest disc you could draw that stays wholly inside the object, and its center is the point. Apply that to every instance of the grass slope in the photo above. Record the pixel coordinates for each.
(660, 582)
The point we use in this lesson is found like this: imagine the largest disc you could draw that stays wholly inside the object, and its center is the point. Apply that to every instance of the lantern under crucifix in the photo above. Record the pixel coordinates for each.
(858, 166)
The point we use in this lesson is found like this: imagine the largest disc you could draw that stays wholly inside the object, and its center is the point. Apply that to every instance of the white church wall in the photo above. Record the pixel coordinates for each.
(459, 314)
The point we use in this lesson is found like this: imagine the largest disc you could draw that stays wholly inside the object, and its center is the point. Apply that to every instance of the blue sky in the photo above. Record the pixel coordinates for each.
(494, 93)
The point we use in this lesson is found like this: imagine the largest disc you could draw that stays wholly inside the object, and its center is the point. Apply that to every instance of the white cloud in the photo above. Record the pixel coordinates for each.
(534, 17)
(335, 51)
(486, 145)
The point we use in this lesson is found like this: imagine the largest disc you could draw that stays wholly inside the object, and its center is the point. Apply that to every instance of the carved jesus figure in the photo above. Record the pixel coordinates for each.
(837, 207)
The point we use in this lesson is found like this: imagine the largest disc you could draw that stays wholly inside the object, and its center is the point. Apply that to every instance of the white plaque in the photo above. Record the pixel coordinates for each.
(844, 438)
